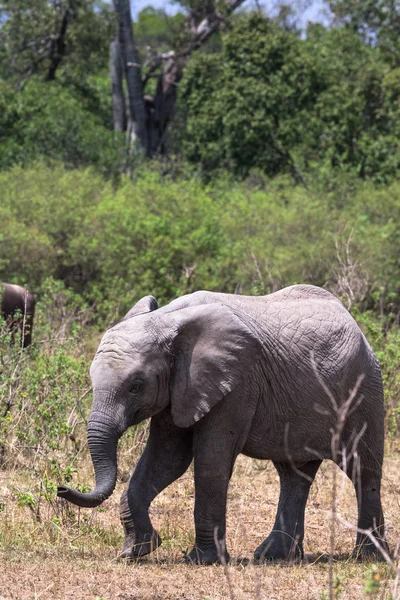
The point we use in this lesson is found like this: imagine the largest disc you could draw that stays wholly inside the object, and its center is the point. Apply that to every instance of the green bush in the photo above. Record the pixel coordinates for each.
(49, 120)
(42, 389)
(384, 336)
(285, 104)
(110, 245)
(89, 250)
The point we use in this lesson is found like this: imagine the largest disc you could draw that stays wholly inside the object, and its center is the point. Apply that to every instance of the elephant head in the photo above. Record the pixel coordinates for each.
(184, 357)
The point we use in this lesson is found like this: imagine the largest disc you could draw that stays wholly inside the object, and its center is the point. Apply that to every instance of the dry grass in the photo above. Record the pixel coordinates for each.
(63, 558)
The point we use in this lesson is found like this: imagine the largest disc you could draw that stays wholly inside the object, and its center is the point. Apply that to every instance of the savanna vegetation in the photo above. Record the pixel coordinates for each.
(275, 162)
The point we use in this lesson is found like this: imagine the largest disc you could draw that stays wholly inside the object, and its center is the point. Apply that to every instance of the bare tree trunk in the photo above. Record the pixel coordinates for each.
(117, 90)
(164, 105)
(202, 22)
(133, 74)
(149, 118)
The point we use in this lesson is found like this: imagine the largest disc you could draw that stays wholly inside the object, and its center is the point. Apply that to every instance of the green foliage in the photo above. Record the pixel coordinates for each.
(377, 22)
(372, 586)
(156, 31)
(257, 97)
(42, 390)
(373, 582)
(42, 212)
(28, 28)
(161, 238)
(46, 119)
(384, 336)
(69, 119)
(25, 499)
(337, 589)
(112, 245)
(45, 385)
(274, 101)
(77, 241)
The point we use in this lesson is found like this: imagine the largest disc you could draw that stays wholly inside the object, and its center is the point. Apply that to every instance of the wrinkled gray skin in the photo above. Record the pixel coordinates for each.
(18, 309)
(221, 375)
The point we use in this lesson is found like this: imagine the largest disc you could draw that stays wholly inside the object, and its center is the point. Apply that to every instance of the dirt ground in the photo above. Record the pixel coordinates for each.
(49, 560)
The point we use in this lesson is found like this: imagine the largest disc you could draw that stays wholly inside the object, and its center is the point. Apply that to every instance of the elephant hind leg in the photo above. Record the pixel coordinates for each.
(366, 479)
(286, 538)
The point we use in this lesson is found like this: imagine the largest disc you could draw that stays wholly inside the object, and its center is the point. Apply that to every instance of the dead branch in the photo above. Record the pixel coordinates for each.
(200, 33)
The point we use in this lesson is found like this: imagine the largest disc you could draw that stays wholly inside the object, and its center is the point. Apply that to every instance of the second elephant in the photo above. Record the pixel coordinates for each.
(17, 307)
(221, 375)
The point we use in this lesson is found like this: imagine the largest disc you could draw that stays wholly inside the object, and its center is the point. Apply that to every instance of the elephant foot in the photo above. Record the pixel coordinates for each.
(136, 545)
(206, 556)
(279, 546)
(367, 551)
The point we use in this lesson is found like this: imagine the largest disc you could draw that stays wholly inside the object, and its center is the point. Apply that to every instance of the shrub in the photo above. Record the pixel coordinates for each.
(110, 245)
(285, 104)
(49, 121)
(42, 391)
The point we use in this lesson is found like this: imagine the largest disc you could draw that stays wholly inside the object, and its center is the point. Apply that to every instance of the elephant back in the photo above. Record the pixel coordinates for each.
(15, 298)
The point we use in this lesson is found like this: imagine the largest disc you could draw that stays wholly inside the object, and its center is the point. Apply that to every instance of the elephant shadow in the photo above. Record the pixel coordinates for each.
(308, 559)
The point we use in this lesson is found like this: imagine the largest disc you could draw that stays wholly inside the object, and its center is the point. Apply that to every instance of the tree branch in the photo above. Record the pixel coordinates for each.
(57, 44)
(200, 33)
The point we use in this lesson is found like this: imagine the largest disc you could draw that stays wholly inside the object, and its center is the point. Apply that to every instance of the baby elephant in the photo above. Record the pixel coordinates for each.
(18, 309)
(272, 377)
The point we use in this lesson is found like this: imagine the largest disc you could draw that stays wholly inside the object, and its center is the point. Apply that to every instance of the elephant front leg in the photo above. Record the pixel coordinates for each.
(214, 457)
(286, 538)
(211, 487)
(140, 536)
(167, 455)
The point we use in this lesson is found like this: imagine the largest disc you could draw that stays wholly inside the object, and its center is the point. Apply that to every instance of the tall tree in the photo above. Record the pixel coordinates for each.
(376, 21)
(128, 54)
(279, 102)
(42, 37)
(149, 117)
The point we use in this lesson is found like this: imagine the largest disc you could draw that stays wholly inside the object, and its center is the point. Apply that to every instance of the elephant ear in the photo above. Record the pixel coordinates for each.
(214, 350)
(146, 304)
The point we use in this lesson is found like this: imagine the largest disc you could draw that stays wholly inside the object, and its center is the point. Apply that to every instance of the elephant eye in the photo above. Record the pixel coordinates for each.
(137, 386)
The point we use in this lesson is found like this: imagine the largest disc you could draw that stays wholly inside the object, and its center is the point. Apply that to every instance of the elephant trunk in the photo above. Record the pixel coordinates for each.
(102, 439)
